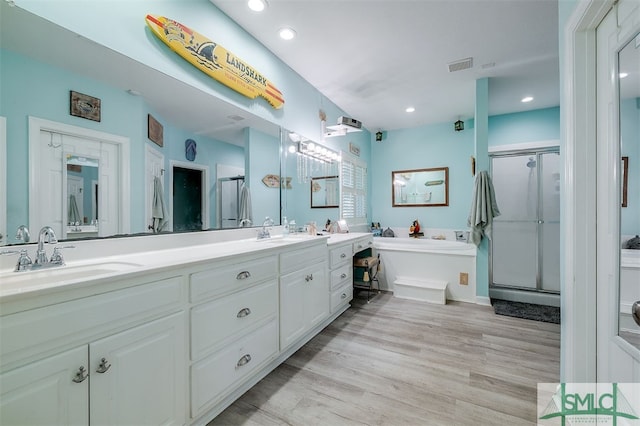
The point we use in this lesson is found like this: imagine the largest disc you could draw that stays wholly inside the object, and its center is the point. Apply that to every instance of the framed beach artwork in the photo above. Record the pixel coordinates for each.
(155, 130)
(84, 106)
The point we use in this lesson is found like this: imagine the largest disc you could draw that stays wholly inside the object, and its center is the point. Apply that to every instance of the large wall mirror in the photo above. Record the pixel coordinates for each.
(629, 181)
(420, 187)
(40, 71)
(325, 192)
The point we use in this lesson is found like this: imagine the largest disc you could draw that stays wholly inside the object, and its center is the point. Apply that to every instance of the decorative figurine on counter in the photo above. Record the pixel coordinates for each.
(414, 230)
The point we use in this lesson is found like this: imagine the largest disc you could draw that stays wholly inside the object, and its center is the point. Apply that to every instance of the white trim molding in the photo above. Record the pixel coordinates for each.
(578, 192)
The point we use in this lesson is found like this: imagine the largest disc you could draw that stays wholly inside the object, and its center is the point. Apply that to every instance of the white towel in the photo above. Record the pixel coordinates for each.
(245, 206)
(483, 208)
(158, 210)
(73, 215)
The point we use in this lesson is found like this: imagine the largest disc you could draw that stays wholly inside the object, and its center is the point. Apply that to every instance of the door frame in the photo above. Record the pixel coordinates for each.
(578, 242)
(205, 190)
(37, 125)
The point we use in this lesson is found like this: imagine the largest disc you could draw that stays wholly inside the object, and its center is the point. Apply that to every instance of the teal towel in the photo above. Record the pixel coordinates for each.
(483, 208)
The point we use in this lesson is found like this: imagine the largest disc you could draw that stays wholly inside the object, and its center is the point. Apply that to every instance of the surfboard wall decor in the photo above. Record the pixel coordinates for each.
(214, 60)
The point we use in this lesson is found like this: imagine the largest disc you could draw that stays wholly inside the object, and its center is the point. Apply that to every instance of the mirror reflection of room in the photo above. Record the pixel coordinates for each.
(82, 196)
(629, 181)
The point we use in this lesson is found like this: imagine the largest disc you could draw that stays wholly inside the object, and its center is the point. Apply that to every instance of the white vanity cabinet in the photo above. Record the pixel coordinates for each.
(115, 358)
(234, 326)
(341, 275)
(304, 292)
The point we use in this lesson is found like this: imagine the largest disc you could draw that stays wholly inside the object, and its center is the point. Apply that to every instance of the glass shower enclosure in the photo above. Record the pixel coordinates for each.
(525, 245)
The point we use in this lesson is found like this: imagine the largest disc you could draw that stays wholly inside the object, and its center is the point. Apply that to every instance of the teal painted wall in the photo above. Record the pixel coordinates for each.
(531, 126)
(420, 148)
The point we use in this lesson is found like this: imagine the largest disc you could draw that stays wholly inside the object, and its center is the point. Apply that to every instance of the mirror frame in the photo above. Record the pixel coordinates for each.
(315, 180)
(407, 175)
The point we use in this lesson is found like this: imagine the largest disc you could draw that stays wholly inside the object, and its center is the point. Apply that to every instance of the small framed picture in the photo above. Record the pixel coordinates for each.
(154, 130)
(84, 106)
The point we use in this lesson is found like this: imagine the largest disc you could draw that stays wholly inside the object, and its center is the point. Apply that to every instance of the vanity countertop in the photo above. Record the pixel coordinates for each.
(347, 237)
(93, 272)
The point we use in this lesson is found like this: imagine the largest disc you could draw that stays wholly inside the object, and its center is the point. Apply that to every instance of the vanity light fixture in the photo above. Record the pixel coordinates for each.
(527, 99)
(257, 5)
(316, 151)
(287, 33)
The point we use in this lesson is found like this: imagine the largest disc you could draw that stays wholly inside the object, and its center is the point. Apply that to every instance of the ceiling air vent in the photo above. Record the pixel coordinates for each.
(462, 64)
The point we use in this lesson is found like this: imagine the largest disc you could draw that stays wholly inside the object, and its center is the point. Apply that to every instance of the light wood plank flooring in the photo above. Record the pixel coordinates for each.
(400, 362)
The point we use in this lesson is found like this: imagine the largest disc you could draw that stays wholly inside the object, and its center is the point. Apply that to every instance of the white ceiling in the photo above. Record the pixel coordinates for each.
(375, 58)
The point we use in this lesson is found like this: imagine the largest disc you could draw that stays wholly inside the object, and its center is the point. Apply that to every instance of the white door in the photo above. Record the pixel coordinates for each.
(75, 187)
(618, 358)
(47, 392)
(138, 376)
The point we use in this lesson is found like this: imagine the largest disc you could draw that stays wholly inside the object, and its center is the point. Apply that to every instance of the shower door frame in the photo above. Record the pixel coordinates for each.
(507, 291)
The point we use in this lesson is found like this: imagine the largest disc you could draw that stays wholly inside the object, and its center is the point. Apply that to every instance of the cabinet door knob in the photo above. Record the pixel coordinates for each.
(81, 375)
(104, 366)
(343, 296)
(243, 312)
(343, 275)
(243, 361)
(343, 255)
(243, 275)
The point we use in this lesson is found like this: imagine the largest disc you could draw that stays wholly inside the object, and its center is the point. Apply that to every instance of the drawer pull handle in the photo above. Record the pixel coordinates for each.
(243, 361)
(344, 296)
(308, 278)
(243, 275)
(343, 275)
(343, 255)
(81, 375)
(243, 312)
(104, 366)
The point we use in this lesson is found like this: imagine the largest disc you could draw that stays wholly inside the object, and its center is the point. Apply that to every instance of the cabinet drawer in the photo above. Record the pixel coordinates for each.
(293, 260)
(341, 297)
(217, 375)
(24, 333)
(216, 321)
(340, 275)
(338, 255)
(227, 278)
(362, 244)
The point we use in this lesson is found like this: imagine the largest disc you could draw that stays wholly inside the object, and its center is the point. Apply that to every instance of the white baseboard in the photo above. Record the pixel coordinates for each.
(483, 300)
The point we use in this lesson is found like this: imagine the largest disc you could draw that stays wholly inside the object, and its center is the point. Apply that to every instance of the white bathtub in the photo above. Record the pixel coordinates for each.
(422, 258)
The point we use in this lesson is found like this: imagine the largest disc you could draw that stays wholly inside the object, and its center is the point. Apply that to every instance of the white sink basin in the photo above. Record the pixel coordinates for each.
(54, 275)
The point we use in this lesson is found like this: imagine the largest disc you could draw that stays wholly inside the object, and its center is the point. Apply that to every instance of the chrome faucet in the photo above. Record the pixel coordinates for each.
(46, 235)
(264, 232)
(22, 234)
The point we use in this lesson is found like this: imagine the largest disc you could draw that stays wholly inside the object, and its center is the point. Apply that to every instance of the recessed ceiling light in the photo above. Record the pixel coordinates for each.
(257, 5)
(527, 99)
(287, 33)
(623, 74)
(410, 109)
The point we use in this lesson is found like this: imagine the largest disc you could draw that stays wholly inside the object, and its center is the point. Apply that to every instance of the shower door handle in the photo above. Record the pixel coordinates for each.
(635, 312)
(540, 222)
